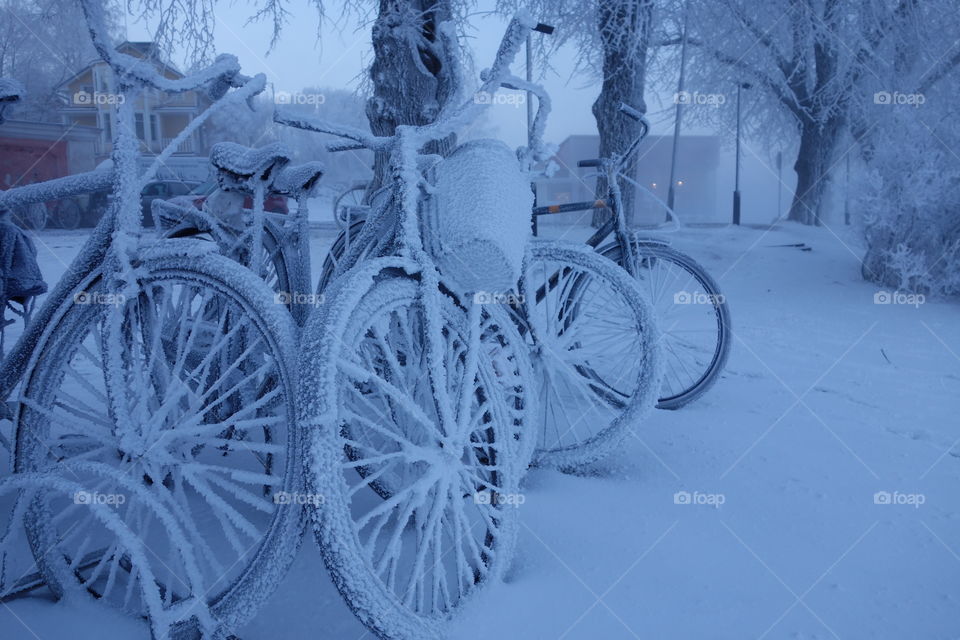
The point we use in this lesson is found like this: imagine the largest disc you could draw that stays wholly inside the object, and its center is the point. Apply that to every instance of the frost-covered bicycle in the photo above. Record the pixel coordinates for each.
(172, 365)
(692, 313)
(589, 331)
(415, 391)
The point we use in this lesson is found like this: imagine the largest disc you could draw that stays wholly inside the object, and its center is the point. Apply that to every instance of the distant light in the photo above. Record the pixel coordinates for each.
(653, 184)
(679, 183)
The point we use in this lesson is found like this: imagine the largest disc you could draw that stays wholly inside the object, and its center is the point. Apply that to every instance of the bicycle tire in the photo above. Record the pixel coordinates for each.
(70, 349)
(595, 350)
(684, 392)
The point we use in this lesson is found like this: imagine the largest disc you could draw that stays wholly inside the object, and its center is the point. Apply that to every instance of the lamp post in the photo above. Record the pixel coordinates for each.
(671, 193)
(736, 180)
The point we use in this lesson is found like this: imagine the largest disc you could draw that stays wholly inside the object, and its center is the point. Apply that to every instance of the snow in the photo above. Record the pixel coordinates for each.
(879, 388)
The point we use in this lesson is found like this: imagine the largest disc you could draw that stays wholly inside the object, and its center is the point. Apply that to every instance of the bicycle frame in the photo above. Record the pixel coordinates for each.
(612, 169)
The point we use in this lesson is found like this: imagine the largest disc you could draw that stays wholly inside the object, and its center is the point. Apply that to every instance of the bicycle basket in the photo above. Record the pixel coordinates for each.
(477, 222)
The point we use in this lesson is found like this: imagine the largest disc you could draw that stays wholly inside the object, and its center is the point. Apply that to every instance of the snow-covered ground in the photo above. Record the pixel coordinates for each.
(831, 405)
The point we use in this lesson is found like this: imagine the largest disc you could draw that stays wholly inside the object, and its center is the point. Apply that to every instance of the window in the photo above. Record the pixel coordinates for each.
(153, 189)
(139, 126)
(154, 128)
(179, 188)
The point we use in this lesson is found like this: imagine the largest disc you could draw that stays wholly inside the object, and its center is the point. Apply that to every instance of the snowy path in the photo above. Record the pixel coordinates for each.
(827, 400)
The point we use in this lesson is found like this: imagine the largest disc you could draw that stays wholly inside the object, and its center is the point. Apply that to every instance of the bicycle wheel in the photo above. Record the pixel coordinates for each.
(206, 403)
(68, 214)
(413, 448)
(32, 217)
(99, 555)
(347, 202)
(344, 240)
(693, 316)
(594, 350)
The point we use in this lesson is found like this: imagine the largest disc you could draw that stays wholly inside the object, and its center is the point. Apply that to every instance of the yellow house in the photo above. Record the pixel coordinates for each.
(90, 100)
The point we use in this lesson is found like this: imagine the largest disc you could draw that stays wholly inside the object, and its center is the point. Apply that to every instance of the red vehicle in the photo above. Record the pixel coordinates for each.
(273, 203)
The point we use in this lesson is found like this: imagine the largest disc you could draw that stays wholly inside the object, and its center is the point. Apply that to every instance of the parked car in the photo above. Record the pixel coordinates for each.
(273, 203)
(157, 189)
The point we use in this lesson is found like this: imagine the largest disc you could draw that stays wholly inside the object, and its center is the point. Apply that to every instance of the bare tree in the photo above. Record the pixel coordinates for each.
(805, 57)
(415, 72)
(908, 138)
(41, 46)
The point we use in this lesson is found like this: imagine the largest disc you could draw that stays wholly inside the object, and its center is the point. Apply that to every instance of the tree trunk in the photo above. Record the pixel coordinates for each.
(625, 33)
(414, 72)
(817, 146)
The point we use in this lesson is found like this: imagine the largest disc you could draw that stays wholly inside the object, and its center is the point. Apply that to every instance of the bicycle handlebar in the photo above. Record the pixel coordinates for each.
(56, 189)
(219, 76)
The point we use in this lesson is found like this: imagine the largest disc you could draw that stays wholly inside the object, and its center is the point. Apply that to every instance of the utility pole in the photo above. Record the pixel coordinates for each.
(736, 187)
(671, 191)
(529, 94)
(779, 185)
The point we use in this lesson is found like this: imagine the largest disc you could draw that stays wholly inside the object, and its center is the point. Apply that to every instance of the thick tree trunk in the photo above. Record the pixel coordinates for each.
(625, 33)
(414, 72)
(817, 146)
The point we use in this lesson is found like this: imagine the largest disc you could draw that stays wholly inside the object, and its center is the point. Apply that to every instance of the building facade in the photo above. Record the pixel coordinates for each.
(695, 191)
(90, 100)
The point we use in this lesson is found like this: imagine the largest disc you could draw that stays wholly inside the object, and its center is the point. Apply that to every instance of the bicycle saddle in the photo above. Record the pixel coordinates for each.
(248, 164)
(297, 180)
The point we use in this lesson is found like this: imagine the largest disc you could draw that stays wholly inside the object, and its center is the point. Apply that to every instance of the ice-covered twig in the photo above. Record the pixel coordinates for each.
(300, 121)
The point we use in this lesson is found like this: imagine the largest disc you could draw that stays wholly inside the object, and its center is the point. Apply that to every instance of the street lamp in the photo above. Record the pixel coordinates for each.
(736, 187)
